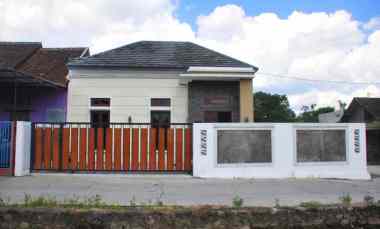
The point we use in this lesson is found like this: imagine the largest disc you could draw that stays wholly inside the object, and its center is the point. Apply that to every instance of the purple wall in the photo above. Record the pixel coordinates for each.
(41, 99)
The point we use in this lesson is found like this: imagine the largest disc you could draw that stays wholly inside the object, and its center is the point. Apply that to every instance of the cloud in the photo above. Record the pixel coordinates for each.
(331, 97)
(373, 23)
(319, 45)
(87, 22)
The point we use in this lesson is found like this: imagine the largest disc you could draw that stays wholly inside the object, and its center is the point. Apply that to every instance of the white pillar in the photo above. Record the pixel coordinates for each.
(22, 157)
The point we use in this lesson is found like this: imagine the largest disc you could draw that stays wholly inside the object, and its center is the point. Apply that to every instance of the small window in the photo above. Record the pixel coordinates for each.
(244, 146)
(160, 102)
(321, 145)
(100, 102)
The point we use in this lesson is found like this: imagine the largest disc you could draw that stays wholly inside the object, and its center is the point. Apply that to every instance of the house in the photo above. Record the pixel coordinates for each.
(160, 81)
(367, 110)
(363, 109)
(33, 81)
(332, 117)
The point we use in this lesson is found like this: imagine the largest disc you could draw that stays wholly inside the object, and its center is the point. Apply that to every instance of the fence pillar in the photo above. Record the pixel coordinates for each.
(22, 149)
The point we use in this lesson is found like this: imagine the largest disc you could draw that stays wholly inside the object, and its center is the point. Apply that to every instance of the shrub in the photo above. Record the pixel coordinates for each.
(277, 203)
(346, 199)
(311, 204)
(237, 202)
(369, 200)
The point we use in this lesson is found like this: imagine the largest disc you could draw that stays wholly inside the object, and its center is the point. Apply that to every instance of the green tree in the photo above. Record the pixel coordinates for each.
(310, 113)
(272, 108)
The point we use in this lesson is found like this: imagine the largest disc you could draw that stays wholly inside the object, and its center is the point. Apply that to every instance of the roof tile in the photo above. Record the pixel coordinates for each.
(159, 54)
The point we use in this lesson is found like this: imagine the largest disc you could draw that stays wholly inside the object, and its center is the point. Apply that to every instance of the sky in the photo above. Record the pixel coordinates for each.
(322, 41)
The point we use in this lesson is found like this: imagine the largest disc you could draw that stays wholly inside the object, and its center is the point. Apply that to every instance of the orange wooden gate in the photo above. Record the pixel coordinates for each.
(121, 147)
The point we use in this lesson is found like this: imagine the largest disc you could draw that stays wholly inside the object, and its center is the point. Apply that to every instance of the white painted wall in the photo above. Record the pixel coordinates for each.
(283, 163)
(130, 93)
(22, 157)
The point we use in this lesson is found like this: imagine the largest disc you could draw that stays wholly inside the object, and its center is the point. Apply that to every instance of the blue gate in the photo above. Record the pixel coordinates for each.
(5, 144)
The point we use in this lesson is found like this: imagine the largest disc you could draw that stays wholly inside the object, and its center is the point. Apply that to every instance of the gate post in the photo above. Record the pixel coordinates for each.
(21, 149)
(32, 149)
(13, 146)
(60, 139)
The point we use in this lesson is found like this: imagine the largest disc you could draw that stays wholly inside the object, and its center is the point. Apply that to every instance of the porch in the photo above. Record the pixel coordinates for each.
(27, 98)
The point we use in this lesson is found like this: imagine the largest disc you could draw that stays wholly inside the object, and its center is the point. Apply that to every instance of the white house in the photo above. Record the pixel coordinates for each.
(160, 81)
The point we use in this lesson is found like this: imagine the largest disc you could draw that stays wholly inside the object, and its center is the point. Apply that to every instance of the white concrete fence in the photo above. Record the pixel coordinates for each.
(283, 146)
(260, 150)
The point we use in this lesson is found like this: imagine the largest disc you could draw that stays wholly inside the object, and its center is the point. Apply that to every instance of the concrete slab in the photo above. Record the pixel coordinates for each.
(186, 190)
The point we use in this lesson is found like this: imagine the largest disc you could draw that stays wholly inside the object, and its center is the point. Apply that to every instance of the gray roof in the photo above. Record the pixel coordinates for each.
(159, 54)
(28, 63)
(371, 105)
(12, 54)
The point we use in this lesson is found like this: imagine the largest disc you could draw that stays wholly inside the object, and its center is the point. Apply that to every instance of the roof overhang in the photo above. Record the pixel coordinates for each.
(218, 73)
(10, 76)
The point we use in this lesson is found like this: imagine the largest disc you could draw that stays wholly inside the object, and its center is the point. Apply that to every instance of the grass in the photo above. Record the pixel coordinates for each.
(346, 199)
(311, 204)
(73, 202)
(95, 201)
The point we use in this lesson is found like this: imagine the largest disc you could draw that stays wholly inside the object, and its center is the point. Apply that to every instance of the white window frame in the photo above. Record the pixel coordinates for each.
(250, 164)
(101, 108)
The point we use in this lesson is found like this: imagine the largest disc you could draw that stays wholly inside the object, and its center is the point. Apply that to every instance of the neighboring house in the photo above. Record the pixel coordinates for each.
(160, 81)
(332, 117)
(33, 81)
(363, 109)
(367, 110)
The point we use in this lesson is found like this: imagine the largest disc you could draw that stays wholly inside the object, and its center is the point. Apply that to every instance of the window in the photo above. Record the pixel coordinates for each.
(244, 146)
(100, 112)
(160, 111)
(321, 145)
(160, 102)
(100, 102)
(55, 115)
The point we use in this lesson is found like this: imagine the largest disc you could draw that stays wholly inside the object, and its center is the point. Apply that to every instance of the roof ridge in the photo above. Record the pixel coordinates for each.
(113, 49)
(26, 58)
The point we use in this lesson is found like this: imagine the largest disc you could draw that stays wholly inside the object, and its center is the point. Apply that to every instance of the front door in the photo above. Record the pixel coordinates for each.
(218, 116)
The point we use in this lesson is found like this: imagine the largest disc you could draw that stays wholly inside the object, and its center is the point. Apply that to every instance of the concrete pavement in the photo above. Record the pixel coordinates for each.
(186, 190)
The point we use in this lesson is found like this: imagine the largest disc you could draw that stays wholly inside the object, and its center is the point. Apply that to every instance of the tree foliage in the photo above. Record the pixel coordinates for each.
(272, 108)
(310, 113)
(275, 108)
